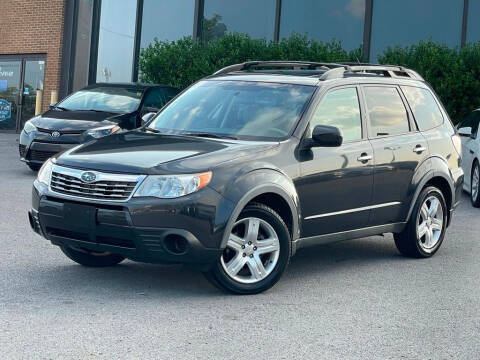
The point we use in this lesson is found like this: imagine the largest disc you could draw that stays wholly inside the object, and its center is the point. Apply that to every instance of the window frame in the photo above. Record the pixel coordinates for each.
(322, 96)
(412, 126)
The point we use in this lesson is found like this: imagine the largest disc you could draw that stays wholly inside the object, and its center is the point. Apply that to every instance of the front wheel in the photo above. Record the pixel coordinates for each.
(257, 252)
(475, 185)
(91, 258)
(425, 230)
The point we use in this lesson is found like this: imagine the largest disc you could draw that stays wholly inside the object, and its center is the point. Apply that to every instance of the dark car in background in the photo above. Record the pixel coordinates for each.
(90, 113)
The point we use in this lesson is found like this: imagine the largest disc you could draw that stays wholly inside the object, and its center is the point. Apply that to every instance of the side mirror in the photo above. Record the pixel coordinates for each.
(147, 117)
(52, 105)
(465, 131)
(326, 136)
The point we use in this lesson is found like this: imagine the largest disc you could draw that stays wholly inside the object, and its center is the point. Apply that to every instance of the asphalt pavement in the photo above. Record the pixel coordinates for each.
(352, 300)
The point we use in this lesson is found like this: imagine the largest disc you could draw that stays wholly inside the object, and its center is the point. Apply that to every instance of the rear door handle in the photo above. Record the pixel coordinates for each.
(472, 152)
(419, 149)
(364, 157)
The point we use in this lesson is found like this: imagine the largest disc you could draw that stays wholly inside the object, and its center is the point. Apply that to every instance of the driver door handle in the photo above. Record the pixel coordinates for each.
(419, 149)
(364, 157)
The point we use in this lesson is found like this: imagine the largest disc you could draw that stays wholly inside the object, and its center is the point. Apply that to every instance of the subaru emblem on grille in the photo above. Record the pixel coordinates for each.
(55, 134)
(88, 177)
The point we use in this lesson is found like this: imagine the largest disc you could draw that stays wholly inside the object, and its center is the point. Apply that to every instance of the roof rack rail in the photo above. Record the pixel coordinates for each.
(278, 64)
(388, 70)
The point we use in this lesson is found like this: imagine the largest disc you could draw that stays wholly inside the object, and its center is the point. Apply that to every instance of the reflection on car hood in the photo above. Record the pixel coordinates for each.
(75, 120)
(147, 153)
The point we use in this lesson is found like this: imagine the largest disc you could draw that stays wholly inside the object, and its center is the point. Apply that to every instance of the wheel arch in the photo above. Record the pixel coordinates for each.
(441, 180)
(271, 188)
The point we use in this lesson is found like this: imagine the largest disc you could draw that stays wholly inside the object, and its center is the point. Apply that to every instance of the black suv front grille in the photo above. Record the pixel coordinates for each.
(103, 190)
(40, 155)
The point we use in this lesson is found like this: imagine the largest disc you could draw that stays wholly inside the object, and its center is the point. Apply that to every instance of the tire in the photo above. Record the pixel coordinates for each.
(34, 167)
(475, 185)
(262, 260)
(90, 258)
(408, 242)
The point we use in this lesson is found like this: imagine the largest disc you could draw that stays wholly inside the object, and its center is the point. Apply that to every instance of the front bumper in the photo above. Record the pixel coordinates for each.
(37, 147)
(187, 230)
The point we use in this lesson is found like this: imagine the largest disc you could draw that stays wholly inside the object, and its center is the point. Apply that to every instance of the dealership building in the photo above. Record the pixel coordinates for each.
(49, 48)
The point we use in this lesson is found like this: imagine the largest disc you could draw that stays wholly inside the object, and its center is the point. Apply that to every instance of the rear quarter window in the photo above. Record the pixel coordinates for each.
(424, 107)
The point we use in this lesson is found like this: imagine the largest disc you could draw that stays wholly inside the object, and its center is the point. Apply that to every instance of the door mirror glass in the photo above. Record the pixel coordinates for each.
(52, 105)
(465, 131)
(146, 118)
(326, 136)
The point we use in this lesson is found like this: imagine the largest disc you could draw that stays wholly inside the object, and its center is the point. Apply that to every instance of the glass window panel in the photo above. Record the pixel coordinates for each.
(116, 40)
(154, 99)
(340, 108)
(166, 20)
(82, 45)
(473, 25)
(253, 17)
(424, 107)
(472, 120)
(386, 111)
(407, 22)
(325, 20)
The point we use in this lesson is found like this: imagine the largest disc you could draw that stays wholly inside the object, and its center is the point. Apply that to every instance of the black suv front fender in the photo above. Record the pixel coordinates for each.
(260, 182)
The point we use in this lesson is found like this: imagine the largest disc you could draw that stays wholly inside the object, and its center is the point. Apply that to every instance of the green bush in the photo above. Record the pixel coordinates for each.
(454, 73)
(179, 63)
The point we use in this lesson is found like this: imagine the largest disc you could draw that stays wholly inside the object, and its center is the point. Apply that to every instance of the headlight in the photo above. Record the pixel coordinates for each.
(45, 172)
(103, 131)
(172, 186)
(29, 127)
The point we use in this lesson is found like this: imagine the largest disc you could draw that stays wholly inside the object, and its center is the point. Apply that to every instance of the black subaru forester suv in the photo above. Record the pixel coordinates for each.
(254, 162)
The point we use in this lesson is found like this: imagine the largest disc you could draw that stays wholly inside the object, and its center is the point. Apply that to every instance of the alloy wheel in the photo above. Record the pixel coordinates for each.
(430, 223)
(252, 250)
(475, 182)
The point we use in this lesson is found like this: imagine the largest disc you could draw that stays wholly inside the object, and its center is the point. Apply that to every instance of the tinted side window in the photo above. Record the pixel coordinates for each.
(170, 93)
(340, 108)
(472, 120)
(154, 99)
(424, 107)
(386, 111)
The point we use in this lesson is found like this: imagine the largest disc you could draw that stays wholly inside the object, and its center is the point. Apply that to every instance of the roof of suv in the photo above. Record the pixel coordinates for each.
(311, 73)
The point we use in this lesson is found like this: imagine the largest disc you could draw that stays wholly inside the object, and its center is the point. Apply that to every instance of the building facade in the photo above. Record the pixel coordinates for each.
(77, 42)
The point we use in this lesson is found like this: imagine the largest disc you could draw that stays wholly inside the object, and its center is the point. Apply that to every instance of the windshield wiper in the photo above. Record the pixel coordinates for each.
(153, 130)
(61, 108)
(210, 135)
(94, 110)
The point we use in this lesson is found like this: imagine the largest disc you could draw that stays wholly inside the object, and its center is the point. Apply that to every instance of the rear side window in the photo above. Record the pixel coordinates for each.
(386, 111)
(424, 107)
(340, 108)
(170, 93)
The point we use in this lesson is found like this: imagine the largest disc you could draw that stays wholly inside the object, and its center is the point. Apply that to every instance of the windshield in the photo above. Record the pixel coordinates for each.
(243, 109)
(108, 99)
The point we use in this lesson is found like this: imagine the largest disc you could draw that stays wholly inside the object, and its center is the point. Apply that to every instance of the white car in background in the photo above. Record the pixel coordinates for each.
(468, 131)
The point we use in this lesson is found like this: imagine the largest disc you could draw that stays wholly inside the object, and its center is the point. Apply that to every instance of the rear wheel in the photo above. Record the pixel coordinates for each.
(475, 185)
(425, 230)
(91, 258)
(257, 252)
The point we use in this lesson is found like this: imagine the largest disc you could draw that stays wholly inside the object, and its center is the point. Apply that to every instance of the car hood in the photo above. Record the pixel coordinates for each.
(75, 120)
(140, 152)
